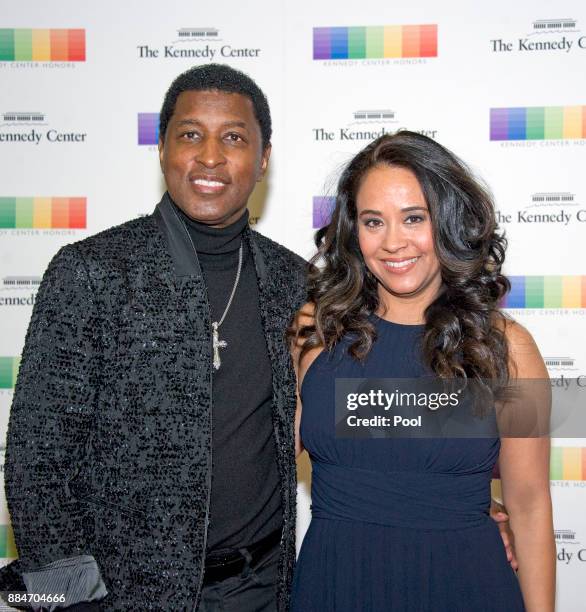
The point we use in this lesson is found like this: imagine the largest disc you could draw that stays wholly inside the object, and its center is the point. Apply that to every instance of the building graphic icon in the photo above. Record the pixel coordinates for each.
(565, 536)
(554, 24)
(553, 198)
(198, 33)
(24, 282)
(559, 362)
(23, 117)
(374, 115)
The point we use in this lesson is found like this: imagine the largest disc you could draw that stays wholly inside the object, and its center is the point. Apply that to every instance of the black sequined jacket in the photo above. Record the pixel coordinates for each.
(109, 440)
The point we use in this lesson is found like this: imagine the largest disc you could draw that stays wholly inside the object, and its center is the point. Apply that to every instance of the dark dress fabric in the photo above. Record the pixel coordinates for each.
(397, 524)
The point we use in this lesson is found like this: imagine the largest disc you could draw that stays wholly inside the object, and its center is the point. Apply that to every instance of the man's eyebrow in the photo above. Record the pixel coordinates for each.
(196, 122)
(241, 124)
(188, 122)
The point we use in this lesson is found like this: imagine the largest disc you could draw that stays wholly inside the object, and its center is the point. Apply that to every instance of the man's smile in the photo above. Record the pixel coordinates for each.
(209, 184)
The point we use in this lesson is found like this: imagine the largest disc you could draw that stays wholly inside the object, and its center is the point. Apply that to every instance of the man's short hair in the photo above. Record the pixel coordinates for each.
(218, 77)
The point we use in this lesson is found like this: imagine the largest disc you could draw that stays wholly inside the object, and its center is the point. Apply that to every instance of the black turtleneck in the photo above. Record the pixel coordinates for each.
(245, 501)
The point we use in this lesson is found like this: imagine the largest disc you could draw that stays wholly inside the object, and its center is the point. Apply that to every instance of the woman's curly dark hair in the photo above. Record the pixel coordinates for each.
(462, 338)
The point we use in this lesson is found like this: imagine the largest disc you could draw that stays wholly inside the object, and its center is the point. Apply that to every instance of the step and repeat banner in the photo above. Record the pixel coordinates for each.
(501, 84)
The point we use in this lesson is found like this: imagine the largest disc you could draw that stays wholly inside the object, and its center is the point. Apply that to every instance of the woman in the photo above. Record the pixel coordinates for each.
(407, 284)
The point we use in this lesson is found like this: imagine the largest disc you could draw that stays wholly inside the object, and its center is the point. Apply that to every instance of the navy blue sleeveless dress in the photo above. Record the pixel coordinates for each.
(397, 524)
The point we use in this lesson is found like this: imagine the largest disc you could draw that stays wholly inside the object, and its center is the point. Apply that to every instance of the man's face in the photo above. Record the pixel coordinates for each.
(212, 155)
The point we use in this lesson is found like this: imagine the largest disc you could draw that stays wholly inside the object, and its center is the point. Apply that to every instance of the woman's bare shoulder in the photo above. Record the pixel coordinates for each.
(525, 360)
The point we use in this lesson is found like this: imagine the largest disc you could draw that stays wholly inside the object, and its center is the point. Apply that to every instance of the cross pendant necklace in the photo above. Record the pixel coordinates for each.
(217, 344)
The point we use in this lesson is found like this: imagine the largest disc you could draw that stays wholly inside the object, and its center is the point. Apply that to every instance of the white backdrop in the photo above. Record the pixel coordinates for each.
(81, 141)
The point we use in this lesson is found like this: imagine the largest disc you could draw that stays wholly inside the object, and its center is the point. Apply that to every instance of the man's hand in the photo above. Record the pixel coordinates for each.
(498, 513)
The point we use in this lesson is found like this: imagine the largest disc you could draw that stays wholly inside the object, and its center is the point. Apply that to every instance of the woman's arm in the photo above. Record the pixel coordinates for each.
(295, 352)
(301, 364)
(299, 448)
(524, 467)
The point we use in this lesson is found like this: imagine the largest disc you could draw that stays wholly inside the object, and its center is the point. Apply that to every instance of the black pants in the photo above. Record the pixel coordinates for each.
(254, 590)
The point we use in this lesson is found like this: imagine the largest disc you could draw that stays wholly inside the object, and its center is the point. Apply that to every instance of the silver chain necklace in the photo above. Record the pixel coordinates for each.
(216, 342)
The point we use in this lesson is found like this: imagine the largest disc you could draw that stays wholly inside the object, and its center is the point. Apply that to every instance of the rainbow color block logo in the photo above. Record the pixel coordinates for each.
(8, 371)
(42, 45)
(538, 123)
(546, 292)
(42, 213)
(7, 545)
(374, 42)
(148, 128)
(567, 463)
(323, 207)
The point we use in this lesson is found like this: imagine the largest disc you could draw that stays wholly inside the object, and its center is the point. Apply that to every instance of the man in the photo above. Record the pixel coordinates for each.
(150, 454)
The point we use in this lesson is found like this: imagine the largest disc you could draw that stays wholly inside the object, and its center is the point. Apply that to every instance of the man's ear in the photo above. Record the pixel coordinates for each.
(264, 162)
(161, 146)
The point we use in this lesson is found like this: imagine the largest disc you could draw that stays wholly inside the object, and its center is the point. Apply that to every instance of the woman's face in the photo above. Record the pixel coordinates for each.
(395, 236)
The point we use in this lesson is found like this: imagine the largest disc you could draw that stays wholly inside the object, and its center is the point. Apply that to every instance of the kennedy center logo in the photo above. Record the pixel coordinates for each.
(560, 36)
(366, 125)
(200, 43)
(559, 208)
(33, 128)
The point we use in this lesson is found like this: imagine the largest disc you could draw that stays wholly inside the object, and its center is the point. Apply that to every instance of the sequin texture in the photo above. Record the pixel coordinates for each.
(109, 437)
